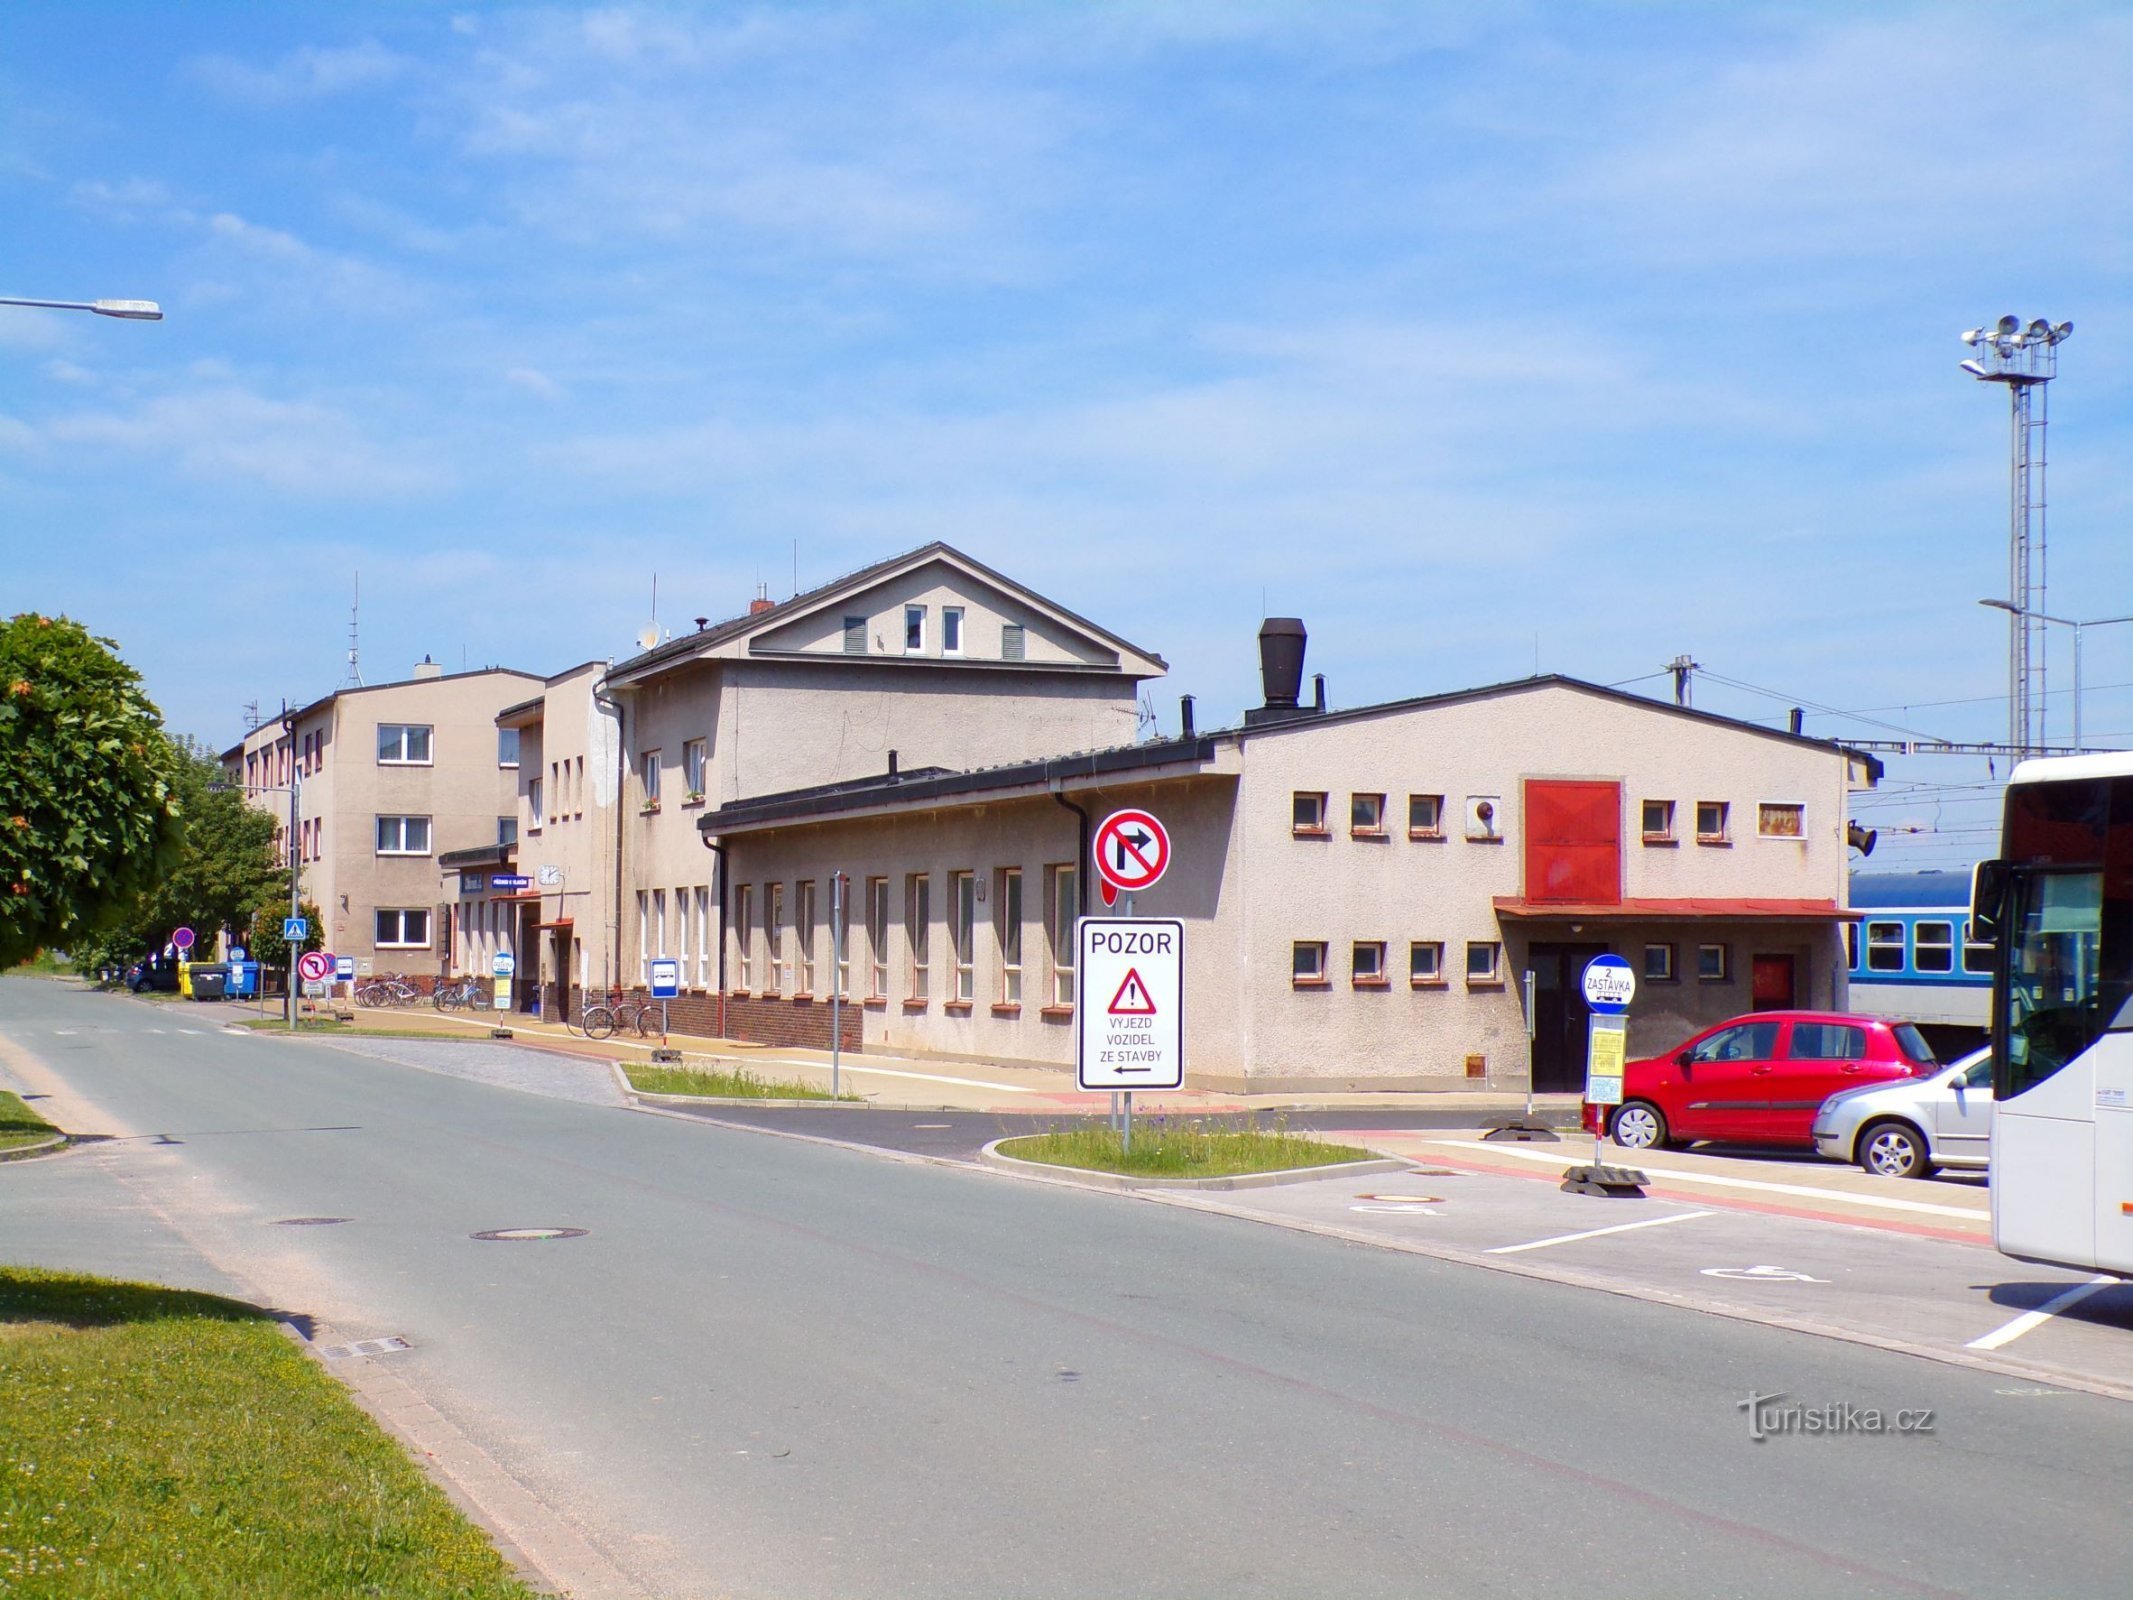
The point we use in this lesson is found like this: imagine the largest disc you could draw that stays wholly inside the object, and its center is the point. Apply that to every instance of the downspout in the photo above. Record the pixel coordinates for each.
(718, 848)
(602, 697)
(1081, 862)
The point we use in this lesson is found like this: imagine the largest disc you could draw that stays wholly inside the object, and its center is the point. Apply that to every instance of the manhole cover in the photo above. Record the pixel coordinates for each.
(514, 1235)
(310, 1222)
(1404, 1199)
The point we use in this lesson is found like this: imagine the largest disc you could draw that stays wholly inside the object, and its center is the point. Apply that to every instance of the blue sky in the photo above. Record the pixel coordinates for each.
(1476, 335)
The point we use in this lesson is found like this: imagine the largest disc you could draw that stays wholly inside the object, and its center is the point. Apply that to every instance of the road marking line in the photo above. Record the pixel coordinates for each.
(1593, 1233)
(1716, 1181)
(2030, 1320)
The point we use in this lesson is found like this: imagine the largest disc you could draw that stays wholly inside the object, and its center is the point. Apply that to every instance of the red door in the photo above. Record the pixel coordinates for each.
(1772, 983)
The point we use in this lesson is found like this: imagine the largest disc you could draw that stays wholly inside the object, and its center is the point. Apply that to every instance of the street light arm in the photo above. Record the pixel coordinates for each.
(2014, 610)
(129, 310)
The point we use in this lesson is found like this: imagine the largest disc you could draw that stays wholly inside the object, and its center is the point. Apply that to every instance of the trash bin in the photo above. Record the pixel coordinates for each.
(210, 979)
(244, 980)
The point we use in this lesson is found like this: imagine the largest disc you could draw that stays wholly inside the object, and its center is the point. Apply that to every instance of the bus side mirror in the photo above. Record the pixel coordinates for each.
(1988, 899)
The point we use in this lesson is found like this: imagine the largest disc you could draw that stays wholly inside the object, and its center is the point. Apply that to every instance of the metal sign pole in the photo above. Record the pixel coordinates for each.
(296, 867)
(1125, 1120)
(1532, 1033)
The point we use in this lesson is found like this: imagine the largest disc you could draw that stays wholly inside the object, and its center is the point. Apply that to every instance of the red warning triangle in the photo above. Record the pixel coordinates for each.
(1133, 998)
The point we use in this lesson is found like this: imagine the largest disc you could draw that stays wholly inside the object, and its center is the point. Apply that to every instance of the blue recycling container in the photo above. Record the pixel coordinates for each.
(244, 980)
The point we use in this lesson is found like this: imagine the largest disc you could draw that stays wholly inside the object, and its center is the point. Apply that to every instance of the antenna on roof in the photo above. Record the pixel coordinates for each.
(251, 715)
(1681, 667)
(355, 641)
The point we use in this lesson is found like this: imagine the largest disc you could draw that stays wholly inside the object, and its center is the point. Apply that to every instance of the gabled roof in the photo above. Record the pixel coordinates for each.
(692, 645)
(297, 714)
(528, 711)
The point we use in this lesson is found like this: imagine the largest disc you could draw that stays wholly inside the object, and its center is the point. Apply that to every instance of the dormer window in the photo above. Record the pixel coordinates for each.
(914, 630)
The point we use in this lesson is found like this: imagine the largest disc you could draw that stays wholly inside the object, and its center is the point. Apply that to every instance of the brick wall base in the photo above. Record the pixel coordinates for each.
(799, 1024)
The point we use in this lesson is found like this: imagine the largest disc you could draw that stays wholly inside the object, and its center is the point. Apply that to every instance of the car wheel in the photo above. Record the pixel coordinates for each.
(1639, 1125)
(1894, 1150)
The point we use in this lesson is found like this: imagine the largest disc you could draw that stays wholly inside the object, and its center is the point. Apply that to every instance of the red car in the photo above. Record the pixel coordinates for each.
(1758, 1079)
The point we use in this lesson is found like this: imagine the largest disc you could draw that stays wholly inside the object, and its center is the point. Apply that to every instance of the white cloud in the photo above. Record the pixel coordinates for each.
(228, 434)
(61, 371)
(535, 382)
(127, 200)
(309, 73)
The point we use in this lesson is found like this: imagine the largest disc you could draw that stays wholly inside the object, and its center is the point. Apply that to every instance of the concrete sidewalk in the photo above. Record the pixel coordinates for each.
(934, 1083)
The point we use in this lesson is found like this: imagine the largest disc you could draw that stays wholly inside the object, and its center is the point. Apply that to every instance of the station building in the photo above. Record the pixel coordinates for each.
(1363, 891)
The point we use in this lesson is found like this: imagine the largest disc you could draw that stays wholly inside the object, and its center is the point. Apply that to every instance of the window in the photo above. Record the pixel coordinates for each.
(744, 935)
(1933, 946)
(703, 937)
(577, 788)
(1746, 1041)
(1012, 642)
(1366, 963)
(1779, 821)
(855, 636)
(695, 766)
(403, 836)
(1007, 920)
(1658, 822)
(841, 935)
(962, 931)
(914, 630)
(918, 932)
(1884, 947)
(1425, 961)
(533, 805)
(774, 937)
(1711, 816)
(644, 937)
(681, 934)
(1366, 816)
(1307, 962)
(1827, 1041)
(1714, 962)
(507, 747)
(951, 630)
(650, 762)
(1425, 816)
(878, 937)
(1977, 953)
(1484, 961)
(1307, 812)
(507, 830)
(1658, 963)
(1062, 911)
(803, 933)
(658, 944)
(1851, 946)
(403, 929)
(400, 744)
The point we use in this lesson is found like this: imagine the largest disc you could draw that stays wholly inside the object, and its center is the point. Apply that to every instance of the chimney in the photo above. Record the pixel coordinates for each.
(1318, 691)
(1281, 665)
(1184, 716)
(892, 766)
(426, 668)
(761, 603)
(1798, 722)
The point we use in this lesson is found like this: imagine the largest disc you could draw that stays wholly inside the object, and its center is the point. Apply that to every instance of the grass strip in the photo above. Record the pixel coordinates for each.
(19, 1125)
(721, 1084)
(160, 1442)
(1166, 1149)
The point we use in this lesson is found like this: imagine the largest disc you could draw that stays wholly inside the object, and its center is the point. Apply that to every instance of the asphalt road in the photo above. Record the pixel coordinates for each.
(774, 1368)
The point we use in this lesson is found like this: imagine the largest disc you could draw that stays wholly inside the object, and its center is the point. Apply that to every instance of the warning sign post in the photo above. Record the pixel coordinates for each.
(1129, 1003)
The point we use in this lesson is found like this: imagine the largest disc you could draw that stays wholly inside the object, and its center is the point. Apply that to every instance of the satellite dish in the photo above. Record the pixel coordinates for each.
(649, 636)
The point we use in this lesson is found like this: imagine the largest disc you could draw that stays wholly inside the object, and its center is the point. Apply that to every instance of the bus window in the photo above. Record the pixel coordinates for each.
(1933, 946)
(1884, 947)
(2053, 1011)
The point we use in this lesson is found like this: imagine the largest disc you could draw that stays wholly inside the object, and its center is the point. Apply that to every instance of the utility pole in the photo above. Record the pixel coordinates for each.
(1681, 667)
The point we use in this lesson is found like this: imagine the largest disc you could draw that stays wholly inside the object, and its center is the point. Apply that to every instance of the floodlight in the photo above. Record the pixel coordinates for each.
(1976, 369)
(2010, 325)
(2064, 330)
(1972, 335)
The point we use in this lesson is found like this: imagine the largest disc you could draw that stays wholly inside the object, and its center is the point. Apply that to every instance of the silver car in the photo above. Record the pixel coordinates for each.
(1905, 1130)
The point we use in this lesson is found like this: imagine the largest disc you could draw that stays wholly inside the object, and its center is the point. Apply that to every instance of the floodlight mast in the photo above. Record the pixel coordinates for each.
(2025, 359)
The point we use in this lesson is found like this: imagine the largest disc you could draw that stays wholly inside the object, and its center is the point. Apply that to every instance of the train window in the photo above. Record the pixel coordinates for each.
(1884, 947)
(1933, 946)
(1977, 953)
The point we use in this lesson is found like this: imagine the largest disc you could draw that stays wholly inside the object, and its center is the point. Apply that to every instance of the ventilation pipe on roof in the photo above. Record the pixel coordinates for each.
(1281, 662)
(892, 766)
(1184, 716)
(1318, 691)
(1798, 722)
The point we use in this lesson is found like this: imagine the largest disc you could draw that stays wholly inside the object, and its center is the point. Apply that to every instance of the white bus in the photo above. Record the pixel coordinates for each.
(2059, 903)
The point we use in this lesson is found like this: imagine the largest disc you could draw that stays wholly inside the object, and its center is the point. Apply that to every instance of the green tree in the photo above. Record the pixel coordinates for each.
(266, 945)
(89, 816)
(227, 863)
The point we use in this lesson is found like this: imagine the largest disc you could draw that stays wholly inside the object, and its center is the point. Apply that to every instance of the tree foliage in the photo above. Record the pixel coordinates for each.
(90, 817)
(227, 863)
(266, 944)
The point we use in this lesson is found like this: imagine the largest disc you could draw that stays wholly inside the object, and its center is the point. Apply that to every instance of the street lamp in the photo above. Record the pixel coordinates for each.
(2064, 622)
(130, 310)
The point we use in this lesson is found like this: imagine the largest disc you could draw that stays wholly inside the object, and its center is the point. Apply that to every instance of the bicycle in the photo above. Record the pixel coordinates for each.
(614, 1014)
(456, 994)
(387, 992)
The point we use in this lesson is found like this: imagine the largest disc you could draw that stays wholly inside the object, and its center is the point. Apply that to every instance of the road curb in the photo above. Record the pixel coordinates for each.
(681, 1102)
(992, 1157)
(43, 1147)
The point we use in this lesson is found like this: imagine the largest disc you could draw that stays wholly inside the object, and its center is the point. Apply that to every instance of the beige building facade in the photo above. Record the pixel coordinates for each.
(390, 777)
(1364, 892)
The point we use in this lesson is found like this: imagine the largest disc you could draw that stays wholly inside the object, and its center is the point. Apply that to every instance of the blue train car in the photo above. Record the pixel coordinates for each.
(1912, 955)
